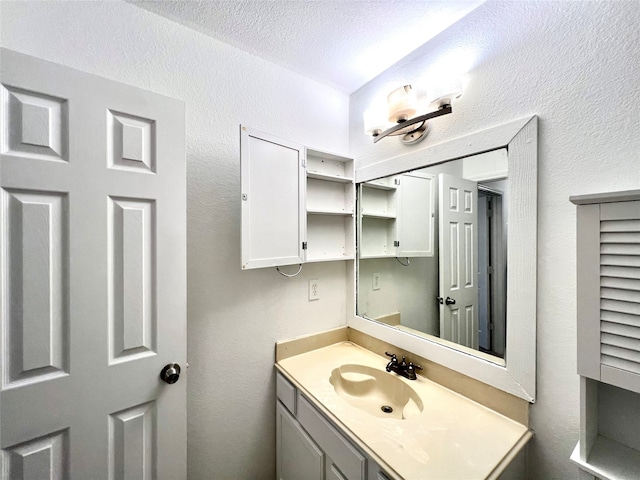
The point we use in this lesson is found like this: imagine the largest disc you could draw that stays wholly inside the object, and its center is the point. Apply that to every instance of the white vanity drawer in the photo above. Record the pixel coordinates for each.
(346, 458)
(286, 392)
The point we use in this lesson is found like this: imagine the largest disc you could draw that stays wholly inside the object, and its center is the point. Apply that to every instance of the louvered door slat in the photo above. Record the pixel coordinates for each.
(618, 306)
(620, 248)
(620, 226)
(630, 345)
(618, 318)
(621, 283)
(620, 287)
(619, 272)
(620, 260)
(620, 330)
(621, 294)
(620, 237)
(621, 364)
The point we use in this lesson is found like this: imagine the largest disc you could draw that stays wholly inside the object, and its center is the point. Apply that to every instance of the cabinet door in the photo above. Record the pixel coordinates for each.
(609, 293)
(298, 457)
(416, 215)
(273, 179)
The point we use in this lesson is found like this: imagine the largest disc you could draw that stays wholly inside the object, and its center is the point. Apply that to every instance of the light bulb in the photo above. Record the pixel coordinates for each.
(402, 104)
(375, 118)
(443, 93)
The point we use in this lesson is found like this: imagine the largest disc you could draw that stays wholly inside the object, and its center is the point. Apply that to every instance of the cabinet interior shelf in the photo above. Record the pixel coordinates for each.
(388, 216)
(609, 460)
(382, 255)
(329, 212)
(331, 178)
(379, 186)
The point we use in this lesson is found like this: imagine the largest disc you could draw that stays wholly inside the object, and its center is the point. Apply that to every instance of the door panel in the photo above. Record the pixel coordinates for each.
(458, 260)
(93, 276)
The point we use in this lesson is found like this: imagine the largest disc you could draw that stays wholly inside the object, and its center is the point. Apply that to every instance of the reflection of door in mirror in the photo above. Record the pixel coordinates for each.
(492, 271)
(458, 210)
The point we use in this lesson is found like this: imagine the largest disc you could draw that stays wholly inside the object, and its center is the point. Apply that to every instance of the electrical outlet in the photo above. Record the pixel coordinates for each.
(314, 293)
(375, 283)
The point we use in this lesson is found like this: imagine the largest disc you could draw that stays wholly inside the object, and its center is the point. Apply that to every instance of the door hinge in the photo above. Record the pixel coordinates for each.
(489, 270)
(396, 181)
(245, 197)
(396, 243)
(304, 245)
(492, 326)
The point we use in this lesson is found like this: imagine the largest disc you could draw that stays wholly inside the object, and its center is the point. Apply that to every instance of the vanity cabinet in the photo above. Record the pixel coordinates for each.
(608, 315)
(397, 216)
(297, 202)
(310, 446)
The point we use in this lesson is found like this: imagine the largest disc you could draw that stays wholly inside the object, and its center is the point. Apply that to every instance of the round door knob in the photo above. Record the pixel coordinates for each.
(170, 373)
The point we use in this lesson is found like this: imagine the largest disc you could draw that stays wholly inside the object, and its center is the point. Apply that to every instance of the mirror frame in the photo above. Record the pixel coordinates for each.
(518, 376)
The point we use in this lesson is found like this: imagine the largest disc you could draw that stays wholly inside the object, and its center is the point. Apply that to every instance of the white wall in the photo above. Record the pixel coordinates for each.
(234, 317)
(575, 65)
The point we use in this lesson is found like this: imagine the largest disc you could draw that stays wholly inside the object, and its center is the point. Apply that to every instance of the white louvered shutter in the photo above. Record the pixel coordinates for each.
(620, 293)
(609, 291)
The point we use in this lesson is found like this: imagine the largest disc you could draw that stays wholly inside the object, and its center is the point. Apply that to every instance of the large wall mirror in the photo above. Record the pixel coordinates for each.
(432, 251)
(447, 254)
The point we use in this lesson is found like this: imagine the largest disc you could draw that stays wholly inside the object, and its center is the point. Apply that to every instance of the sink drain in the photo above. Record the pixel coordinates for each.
(386, 409)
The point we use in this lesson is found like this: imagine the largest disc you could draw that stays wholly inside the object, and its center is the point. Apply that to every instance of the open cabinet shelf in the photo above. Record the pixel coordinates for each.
(329, 207)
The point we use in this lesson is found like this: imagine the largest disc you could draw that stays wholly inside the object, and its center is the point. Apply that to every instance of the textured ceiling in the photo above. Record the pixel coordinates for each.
(343, 43)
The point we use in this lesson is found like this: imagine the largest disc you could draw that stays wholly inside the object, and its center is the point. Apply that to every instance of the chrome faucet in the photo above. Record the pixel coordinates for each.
(404, 369)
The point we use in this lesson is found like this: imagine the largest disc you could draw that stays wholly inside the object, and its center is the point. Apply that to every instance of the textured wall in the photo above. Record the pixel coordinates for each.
(575, 65)
(234, 317)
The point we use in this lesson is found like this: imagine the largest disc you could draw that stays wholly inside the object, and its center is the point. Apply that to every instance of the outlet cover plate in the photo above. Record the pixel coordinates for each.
(314, 285)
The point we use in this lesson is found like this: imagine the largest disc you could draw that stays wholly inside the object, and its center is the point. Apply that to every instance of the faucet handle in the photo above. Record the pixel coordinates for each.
(392, 355)
(414, 366)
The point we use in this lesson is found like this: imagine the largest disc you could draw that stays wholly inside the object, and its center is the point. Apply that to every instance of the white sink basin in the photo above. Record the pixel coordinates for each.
(377, 392)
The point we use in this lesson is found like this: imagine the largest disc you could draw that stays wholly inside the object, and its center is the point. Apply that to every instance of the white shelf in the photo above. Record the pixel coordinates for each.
(382, 255)
(329, 212)
(388, 216)
(609, 460)
(328, 177)
(380, 186)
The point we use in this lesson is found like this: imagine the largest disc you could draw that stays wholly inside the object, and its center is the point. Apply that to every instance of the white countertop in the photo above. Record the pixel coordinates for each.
(452, 438)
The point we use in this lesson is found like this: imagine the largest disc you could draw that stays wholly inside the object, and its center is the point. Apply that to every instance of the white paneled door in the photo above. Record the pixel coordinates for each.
(93, 284)
(458, 211)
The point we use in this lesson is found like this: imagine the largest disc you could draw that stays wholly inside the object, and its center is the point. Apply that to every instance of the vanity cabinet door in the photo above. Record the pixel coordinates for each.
(347, 459)
(298, 457)
(273, 183)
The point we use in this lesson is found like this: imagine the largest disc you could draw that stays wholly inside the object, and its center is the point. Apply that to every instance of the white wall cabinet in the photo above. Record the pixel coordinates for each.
(397, 216)
(608, 276)
(297, 203)
(309, 446)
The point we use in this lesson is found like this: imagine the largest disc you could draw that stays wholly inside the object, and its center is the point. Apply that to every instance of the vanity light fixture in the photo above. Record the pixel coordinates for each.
(401, 115)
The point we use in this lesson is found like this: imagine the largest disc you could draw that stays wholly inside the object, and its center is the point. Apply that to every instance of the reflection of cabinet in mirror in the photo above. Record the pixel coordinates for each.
(297, 202)
(397, 216)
